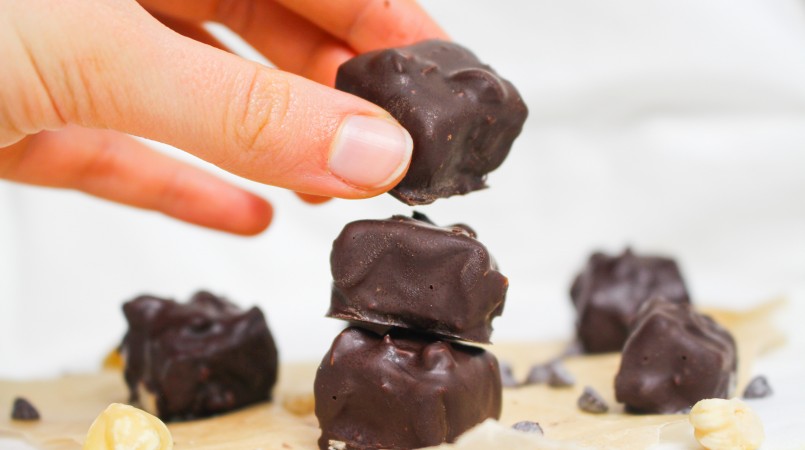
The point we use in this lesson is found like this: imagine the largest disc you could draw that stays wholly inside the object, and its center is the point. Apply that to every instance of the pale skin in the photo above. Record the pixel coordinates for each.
(79, 76)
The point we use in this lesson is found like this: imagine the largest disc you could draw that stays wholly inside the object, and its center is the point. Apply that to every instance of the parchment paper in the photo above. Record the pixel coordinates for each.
(68, 405)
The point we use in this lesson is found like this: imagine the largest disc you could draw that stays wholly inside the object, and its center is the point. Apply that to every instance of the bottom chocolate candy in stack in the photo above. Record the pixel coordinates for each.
(402, 390)
(397, 379)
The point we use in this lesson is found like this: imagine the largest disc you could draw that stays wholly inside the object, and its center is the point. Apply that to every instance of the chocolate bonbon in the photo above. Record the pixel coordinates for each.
(609, 291)
(402, 390)
(408, 273)
(673, 358)
(462, 116)
(205, 357)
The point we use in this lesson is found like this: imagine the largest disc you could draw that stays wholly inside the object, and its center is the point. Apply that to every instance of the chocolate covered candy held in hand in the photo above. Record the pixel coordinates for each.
(609, 291)
(192, 360)
(409, 273)
(673, 358)
(402, 390)
(462, 116)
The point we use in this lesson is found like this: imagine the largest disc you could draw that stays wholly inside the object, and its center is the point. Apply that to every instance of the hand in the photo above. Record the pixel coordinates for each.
(77, 74)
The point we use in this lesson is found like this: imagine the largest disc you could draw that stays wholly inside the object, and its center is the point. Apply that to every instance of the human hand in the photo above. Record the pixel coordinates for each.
(77, 74)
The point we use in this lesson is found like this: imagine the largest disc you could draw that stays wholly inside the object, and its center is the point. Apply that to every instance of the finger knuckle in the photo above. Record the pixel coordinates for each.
(262, 112)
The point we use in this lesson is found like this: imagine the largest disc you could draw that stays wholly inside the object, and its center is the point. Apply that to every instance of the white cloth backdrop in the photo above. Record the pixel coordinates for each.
(673, 126)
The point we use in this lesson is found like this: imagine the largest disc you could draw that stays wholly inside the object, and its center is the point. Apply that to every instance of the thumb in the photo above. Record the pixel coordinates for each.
(132, 74)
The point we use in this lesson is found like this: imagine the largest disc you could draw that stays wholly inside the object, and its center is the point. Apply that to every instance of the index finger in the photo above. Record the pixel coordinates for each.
(370, 24)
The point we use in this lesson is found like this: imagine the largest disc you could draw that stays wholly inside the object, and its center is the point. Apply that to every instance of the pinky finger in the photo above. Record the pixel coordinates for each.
(116, 167)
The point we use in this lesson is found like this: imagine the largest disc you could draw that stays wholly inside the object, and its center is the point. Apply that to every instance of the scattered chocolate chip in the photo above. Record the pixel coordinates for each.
(591, 401)
(560, 377)
(553, 373)
(506, 375)
(527, 426)
(539, 374)
(758, 388)
(24, 410)
(422, 217)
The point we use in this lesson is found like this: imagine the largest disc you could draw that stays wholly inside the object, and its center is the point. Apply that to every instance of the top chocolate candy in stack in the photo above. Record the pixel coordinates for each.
(408, 273)
(462, 116)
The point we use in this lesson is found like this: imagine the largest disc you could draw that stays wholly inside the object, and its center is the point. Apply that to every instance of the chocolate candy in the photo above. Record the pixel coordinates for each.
(23, 410)
(408, 273)
(610, 290)
(402, 390)
(205, 357)
(462, 116)
(673, 358)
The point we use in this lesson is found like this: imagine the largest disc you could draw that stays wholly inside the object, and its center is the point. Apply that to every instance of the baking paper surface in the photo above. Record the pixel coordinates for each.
(68, 405)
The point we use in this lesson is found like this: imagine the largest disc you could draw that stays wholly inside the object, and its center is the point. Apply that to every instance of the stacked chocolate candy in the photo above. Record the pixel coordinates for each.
(397, 378)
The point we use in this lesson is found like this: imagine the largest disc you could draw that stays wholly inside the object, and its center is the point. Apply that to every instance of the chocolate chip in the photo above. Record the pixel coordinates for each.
(758, 388)
(553, 373)
(591, 401)
(539, 374)
(527, 426)
(560, 377)
(506, 375)
(24, 410)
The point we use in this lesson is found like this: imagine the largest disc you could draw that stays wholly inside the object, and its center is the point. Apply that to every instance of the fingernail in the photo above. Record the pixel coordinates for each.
(370, 152)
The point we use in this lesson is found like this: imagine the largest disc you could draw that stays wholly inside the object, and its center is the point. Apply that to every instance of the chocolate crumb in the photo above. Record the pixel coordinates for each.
(24, 410)
(592, 402)
(758, 388)
(506, 375)
(527, 426)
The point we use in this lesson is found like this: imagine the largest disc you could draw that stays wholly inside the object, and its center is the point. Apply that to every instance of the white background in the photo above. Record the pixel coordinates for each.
(674, 126)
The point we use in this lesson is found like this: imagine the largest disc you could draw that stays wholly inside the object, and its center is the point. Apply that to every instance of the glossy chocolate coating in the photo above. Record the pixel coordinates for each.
(408, 273)
(402, 390)
(205, 357)
(462, 116)
(673, 358)
(609, 291)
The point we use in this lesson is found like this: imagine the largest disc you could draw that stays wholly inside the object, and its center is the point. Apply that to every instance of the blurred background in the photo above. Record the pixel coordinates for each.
(674, 127)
